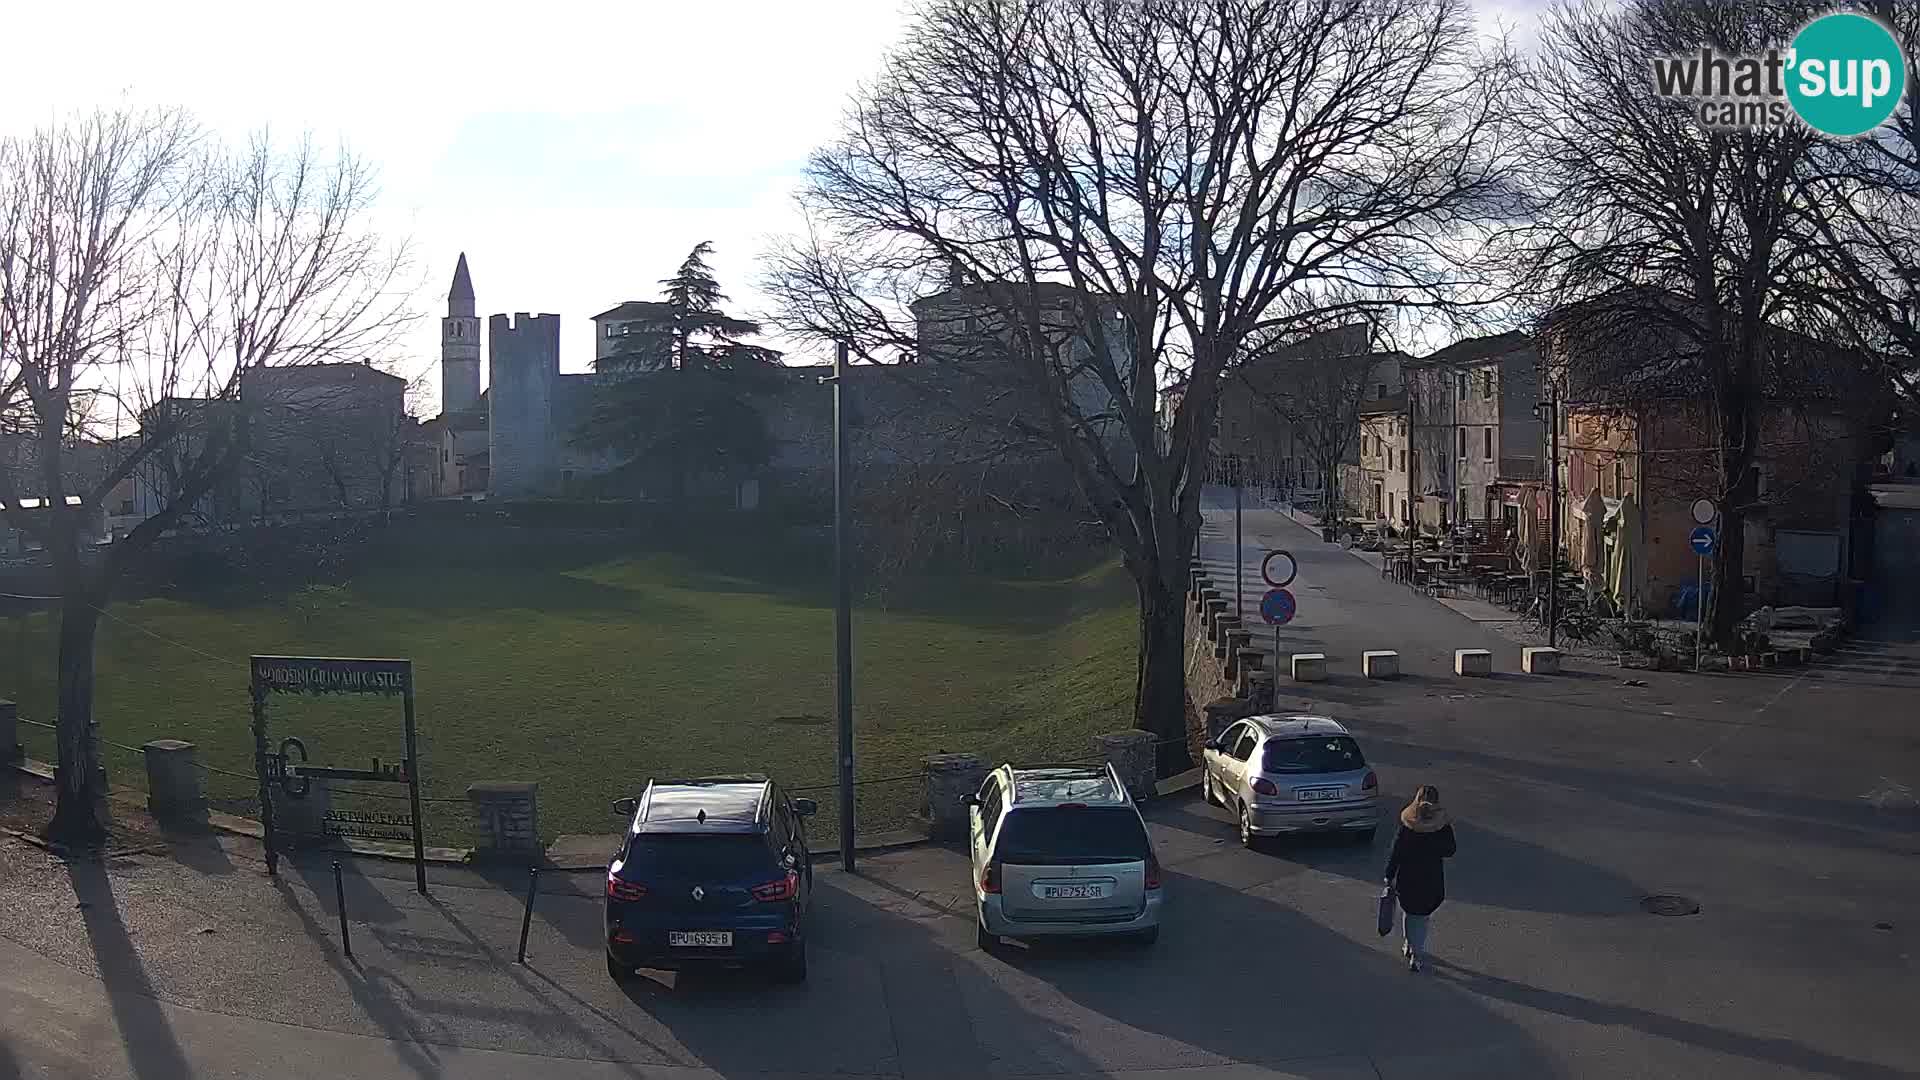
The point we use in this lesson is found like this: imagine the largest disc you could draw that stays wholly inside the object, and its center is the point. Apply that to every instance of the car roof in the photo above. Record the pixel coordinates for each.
(705, 804)
(1298, 726)
(1050, 784)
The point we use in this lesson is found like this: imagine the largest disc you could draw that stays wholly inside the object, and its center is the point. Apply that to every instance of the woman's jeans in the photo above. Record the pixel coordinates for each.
(1416, 931)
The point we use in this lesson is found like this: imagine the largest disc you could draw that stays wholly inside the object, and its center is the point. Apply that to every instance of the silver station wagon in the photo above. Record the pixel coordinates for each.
(1061, 850)
(1289, 774)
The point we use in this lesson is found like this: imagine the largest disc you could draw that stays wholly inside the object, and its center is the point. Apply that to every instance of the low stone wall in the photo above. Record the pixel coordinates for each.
(506, 819)
(1223, 684)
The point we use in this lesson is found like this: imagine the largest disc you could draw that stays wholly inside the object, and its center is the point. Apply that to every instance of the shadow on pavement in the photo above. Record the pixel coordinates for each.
(1278, 987)
(144, 1032)
(1783, 1052)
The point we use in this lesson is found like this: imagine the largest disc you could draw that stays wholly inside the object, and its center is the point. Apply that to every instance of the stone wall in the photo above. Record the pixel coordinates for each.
(505, 818)
(523, 359)
(1223, 683)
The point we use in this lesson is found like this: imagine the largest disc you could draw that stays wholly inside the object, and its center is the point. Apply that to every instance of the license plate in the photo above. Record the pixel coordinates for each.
(709, 939)
(1325, 794)
(1090, 891)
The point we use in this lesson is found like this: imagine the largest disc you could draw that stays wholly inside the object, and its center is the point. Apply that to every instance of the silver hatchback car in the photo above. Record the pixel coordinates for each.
(1061, 850)
(1288, 774)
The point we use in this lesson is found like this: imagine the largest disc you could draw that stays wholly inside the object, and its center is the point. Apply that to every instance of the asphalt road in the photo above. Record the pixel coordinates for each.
(1782, 804)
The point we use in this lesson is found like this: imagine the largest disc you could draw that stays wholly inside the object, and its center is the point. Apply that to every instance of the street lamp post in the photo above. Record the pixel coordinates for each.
(842, 610)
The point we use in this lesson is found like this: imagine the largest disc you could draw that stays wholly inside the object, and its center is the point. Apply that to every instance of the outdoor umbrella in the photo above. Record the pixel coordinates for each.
(1524, 548)
(1595, 508)
(1624, 574)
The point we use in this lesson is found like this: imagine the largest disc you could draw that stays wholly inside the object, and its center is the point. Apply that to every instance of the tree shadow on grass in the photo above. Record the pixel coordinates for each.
(149, 1041)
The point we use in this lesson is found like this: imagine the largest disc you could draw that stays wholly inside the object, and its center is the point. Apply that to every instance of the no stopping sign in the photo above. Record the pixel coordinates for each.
(1279, 569)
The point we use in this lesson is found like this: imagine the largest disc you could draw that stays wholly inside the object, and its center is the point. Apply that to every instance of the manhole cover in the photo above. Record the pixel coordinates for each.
(1669, 905)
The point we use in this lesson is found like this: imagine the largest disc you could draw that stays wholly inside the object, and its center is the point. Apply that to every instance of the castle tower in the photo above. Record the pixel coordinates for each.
(459, 345)
(523, 362)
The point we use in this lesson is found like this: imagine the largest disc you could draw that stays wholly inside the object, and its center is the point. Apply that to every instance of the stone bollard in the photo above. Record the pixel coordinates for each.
(302, 819)
(1477, 662)
(1309, 667)
(1215, 609)
(176, 788)
(1261, 693)
(10, 750)
(1207, 595)
(1231, 642)
(1222, 712)
(1380, 664)
(506, 819)
(950, 777)
(1131, 755)
(1540, 660)
(1222, 626)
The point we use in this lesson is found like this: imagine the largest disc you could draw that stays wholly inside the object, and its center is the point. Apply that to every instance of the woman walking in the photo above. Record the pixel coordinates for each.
(1416, 871)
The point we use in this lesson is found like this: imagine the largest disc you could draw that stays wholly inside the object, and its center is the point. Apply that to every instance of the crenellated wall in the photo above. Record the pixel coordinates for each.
(523, 363)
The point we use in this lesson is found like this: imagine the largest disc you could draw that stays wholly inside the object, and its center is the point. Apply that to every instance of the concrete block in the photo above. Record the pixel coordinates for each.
(1472, 662)
(1309, 667)
(1540, 660)
(176, 787)
(10, 750)
(1131, 755)
(506, 815)
(1380, 664)
(949, 777)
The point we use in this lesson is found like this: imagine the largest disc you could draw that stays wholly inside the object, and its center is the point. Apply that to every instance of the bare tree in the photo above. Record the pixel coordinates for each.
(139, 260)
(1663, 233)
(1161, 179)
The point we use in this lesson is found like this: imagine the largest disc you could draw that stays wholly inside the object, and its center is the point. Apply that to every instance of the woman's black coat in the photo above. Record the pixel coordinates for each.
(1417, 869)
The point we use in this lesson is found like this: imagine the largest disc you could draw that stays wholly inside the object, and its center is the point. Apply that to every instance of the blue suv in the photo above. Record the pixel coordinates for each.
(711, 872)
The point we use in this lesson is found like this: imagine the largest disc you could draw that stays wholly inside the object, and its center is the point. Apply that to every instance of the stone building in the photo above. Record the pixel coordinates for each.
(1463, 427)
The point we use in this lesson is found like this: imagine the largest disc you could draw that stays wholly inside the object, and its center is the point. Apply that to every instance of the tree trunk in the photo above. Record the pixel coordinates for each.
(1160, 690)
(80, 814)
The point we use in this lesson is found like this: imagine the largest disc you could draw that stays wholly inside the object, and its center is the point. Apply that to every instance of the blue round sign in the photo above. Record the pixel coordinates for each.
(1277, 607)
(1701, 541)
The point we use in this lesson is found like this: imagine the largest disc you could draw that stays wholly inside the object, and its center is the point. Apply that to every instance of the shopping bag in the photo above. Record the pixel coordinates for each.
(1386, 911)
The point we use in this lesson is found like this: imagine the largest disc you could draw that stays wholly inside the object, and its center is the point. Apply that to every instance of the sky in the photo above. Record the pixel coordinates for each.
(575, 151)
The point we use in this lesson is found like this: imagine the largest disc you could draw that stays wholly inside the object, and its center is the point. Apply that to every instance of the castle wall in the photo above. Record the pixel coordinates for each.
(523, 364)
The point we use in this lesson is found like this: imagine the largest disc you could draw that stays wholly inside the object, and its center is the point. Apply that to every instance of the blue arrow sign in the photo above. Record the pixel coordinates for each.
(1701, 541)
(1277, 607)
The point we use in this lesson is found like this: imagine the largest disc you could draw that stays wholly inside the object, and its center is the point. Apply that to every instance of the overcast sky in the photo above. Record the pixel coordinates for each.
(574, 151)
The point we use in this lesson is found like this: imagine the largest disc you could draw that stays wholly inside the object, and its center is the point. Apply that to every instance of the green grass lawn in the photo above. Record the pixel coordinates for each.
(590, 673)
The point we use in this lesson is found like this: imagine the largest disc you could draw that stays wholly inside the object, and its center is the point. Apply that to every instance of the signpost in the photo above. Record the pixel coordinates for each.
(1701, 540)
(1277, 607)
(336, 675)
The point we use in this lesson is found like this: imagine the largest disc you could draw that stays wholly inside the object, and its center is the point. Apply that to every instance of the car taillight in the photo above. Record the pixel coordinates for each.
(1264, 786)
(990, 878)
(1153, 871)
(1371, 783)
(785, 889)
(624, 890)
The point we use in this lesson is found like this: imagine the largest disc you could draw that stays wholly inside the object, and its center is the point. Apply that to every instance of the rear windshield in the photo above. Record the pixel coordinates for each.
(706, 855)
(1322, 753)
(1056, 835)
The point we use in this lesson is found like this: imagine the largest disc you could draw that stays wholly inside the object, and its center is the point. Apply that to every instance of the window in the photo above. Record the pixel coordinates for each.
(1244, 748)
(1486, 443)
(1619, 478)
(1071, 834)
(619, 329)
(1380, 391)
(1389, 458)
(445, 456)
(1337, 753)
(1403, 510)
(1460, 385)
(990, 806)
(1463, 443)
(1463, 507)
(699, 856)
(1486, 386)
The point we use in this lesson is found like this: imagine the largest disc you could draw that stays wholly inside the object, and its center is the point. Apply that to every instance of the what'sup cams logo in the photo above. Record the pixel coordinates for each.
(1843, 75)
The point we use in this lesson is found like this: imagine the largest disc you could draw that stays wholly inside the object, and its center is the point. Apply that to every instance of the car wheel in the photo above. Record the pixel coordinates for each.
(616, 971)
(1247, 839)
(1364, 837)
(1206, 789)
(793, 968)
(983, 939)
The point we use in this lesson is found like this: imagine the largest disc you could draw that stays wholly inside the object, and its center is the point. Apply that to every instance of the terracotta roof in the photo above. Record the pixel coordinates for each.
(636, 309)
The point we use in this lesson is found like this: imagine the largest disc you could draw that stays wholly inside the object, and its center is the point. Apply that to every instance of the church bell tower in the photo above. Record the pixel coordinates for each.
(459, 345)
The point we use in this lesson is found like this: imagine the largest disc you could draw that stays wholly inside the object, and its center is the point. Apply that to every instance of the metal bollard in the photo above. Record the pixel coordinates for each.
(340, 901)
(526, 918)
